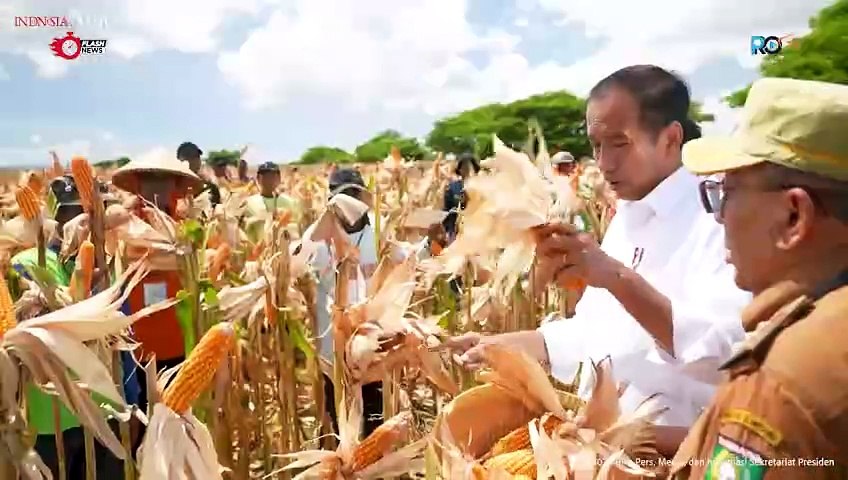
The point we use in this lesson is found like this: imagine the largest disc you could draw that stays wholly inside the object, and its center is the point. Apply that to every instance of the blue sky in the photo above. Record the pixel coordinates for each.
(284, 75)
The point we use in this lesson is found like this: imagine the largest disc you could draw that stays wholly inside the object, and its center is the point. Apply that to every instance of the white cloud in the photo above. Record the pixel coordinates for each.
(35, 138)
(726, 118)
(107, 136)
(388, 54)
(131, 27)
(521, 22)
(379, 52)
(4, 74)
(699, 29)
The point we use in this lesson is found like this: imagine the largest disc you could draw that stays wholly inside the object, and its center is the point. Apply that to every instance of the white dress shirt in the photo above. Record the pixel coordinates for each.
(670, 240)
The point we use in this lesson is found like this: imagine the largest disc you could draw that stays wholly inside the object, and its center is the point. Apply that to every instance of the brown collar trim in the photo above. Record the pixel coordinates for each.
(765, 305)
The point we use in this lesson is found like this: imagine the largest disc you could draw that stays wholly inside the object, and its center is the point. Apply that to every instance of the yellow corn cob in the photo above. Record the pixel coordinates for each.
(81, 171)
(199, 368)
(7, 308)
(35, 182)
(27, 202)
(519, 438)
(83, 271)
(520, 462)
(381, 441)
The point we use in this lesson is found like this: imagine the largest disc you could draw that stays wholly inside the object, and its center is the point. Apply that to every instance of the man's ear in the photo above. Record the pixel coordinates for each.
(798, 219)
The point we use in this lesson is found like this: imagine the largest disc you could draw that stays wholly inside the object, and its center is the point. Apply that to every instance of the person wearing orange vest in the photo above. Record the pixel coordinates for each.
(161, 181)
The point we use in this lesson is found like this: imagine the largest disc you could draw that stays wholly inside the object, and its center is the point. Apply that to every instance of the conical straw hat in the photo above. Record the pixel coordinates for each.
(159, 161)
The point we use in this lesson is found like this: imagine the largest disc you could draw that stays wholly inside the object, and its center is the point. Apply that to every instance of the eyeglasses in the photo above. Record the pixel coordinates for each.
(714, 194)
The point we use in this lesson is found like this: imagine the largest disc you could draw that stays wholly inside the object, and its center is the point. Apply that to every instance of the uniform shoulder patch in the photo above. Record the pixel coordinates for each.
(731, 461)
(754, 423)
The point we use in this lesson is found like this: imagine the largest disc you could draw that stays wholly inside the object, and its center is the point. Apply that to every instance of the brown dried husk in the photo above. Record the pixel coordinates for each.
(517, 395)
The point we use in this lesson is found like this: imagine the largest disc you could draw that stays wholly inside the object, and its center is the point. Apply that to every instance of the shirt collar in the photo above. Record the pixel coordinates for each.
(665, 197)
(768, 302)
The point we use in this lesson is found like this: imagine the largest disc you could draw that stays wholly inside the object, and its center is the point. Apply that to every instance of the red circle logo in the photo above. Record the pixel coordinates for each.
(68, 47)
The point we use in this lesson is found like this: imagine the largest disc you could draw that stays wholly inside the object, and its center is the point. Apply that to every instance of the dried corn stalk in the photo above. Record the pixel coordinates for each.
(46, 349)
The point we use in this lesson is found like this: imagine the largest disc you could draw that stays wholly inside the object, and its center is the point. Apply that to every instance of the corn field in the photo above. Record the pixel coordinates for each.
(249, 400)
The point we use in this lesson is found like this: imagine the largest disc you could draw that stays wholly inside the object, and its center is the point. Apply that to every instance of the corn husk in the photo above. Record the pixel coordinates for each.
(49, 350)
(502, 209)
(519, 393)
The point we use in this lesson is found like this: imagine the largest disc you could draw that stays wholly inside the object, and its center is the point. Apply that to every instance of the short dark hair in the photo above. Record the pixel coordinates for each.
(188, 149)
(268, 167)
(467, 158)
(663, 97)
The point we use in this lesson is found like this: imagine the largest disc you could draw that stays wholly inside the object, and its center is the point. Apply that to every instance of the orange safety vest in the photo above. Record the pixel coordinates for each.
(159, 333)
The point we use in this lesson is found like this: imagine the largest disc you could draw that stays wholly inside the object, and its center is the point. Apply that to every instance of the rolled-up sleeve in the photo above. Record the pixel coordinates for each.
(564, 340)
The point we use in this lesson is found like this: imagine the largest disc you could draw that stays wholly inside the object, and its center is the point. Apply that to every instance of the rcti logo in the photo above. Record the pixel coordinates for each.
(70, 46)
(771, 45)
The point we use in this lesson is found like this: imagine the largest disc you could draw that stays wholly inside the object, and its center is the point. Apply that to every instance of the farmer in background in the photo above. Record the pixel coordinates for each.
(454, 198)
(564, 164)
(783, 201)
(270, 201)
(189, 152)
(660, 299)
(39, 404)
(220, 168)
(361, 235)
(161, 181)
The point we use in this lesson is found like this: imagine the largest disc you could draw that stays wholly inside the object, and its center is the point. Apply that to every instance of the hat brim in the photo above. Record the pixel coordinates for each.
(706, 156)
(125, 177)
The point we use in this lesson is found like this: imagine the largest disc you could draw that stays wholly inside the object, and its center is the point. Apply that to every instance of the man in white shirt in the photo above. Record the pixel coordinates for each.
(660, 291)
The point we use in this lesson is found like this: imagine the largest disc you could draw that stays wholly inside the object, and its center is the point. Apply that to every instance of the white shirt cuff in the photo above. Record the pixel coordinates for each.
(564, 342)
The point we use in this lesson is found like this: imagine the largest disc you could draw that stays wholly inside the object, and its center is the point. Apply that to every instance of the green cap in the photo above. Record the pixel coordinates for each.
(799, 124)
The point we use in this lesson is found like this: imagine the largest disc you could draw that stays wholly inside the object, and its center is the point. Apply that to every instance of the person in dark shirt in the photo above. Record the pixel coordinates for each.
(454, 199)
(189, 152)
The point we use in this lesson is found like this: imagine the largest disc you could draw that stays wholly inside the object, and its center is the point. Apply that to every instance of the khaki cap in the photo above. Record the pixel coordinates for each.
(799, 124)
(128, 176)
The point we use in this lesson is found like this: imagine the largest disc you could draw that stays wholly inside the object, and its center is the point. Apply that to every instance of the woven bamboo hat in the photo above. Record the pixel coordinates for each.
(130, 175)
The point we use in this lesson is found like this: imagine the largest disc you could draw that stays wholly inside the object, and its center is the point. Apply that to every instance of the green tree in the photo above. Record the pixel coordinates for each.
(697, 113)
(560, 115)
(379, 146)
(115, 163)
(228, 157)
(322, 154)
(820, 55)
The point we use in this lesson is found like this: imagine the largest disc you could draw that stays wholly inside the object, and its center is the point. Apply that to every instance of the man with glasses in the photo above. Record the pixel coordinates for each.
(660, 299)
(784, 204)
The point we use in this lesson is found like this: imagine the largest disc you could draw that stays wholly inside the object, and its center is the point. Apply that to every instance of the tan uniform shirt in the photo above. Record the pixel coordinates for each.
(783, 414)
